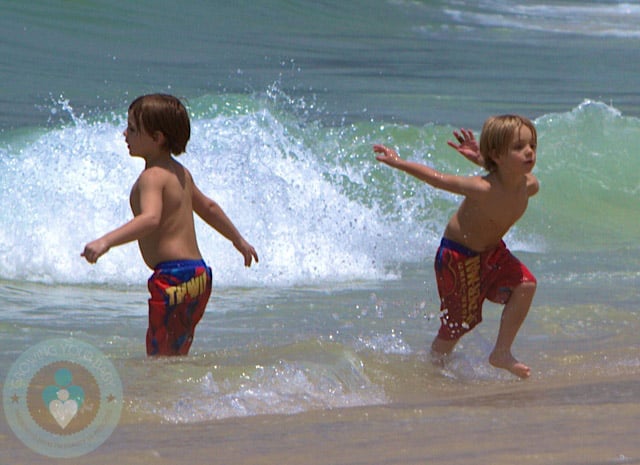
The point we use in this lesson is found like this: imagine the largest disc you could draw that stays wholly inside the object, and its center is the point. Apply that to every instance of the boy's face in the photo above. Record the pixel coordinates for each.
(521, 157)
(139, 142)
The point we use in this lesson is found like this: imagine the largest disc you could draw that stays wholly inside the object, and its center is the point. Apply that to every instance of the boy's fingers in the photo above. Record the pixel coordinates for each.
(249, 256)
(382, 149)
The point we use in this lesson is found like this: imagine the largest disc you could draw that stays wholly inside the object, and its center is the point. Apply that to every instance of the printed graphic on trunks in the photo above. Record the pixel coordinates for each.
(194, 287)
(179, 294)
(472, 276)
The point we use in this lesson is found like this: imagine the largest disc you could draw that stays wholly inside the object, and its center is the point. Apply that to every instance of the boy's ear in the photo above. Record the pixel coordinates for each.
(495, 156)
(158, 136)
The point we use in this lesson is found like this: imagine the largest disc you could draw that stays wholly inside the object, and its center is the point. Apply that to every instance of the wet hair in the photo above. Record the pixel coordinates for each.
(497, 135)
(164, 113)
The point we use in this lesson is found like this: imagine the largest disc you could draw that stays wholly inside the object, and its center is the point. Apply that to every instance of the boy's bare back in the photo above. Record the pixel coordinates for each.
(163, 200)
(164, 197)
(174, 238)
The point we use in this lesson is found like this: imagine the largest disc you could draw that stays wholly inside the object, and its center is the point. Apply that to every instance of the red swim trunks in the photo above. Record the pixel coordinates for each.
(179, 291)
(466, 278)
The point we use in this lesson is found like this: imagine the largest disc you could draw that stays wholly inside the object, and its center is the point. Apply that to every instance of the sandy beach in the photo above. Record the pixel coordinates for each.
(591, 421)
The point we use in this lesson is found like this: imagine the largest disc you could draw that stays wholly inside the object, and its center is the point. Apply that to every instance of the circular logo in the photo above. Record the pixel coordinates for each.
(62, 398)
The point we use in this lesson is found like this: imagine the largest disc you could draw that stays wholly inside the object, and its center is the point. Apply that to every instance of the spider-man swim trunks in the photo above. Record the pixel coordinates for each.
(466, 278)
(179, 291)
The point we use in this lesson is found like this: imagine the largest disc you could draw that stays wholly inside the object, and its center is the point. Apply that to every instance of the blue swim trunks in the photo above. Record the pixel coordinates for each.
(179, 291)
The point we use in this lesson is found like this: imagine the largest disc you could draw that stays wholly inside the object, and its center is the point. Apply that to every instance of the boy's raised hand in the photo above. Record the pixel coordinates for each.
(387, 155)
(467, 146)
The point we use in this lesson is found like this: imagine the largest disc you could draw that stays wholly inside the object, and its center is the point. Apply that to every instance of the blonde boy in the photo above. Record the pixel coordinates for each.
(472, 263)
(163, 200)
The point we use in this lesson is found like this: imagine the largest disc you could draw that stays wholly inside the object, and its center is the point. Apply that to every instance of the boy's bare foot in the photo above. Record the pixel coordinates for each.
(503, 359)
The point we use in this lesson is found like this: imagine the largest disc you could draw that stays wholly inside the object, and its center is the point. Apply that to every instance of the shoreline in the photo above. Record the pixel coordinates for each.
(567, 423)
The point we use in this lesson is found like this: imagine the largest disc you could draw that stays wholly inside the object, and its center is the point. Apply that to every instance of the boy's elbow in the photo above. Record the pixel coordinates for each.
(211, 207)
(152, 222)
(208, 210)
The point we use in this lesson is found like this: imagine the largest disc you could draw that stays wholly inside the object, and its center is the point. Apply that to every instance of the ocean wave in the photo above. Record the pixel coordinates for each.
(311, 198)
(593, 19)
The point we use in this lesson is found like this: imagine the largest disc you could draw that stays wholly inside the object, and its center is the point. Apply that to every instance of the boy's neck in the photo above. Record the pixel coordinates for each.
(508, 180)
(162, 158)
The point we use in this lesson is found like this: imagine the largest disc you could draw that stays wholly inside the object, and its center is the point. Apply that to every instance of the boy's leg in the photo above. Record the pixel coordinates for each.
(443, 346)
(441, 349)
(450, 271)
(513, 315)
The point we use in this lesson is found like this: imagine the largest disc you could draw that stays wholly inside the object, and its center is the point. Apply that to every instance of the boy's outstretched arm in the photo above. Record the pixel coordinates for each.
(456, 184)
(467, 146)
(214, 216)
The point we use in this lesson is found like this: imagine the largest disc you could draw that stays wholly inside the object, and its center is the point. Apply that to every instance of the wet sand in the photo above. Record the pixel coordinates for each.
(592, 421)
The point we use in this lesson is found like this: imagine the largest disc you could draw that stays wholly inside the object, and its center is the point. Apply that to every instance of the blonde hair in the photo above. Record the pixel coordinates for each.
(164, 113)
(497, 135)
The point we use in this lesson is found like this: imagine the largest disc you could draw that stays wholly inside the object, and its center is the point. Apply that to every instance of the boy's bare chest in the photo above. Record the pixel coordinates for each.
(495, 211)
(134, 199)
(505, 208)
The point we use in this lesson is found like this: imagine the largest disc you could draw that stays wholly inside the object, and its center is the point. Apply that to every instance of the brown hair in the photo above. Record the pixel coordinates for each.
(164, 113)
(498, 133)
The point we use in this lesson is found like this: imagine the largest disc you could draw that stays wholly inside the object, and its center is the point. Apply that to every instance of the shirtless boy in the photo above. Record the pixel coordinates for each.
(473, 263)
(163, 200)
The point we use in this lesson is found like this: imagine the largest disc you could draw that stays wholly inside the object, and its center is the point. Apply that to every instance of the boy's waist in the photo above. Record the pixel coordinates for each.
(460, 248)
(180, 264)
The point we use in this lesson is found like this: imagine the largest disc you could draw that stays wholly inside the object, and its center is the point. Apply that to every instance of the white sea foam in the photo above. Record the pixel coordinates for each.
(600, 20)
(314, 202)
(68, 186)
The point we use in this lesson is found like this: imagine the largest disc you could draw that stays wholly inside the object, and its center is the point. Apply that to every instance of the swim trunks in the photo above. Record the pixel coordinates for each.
(179, 291)
(466, 278)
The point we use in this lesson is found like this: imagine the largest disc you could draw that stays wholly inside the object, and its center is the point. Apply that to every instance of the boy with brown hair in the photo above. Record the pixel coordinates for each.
(163, 200)
(473, 263)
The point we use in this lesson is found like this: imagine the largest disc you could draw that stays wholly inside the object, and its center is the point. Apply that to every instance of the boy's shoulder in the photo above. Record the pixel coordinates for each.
(162, 174)
(493, 183)
(165, 168)
(483, 183)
